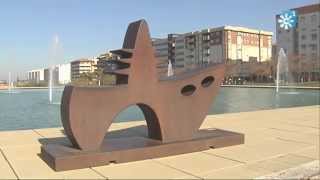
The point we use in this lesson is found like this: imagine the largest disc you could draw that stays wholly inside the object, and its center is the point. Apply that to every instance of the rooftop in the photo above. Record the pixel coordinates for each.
(226, 27)
(275, 140)
(239, 29)
(308, 9)
(82, 60)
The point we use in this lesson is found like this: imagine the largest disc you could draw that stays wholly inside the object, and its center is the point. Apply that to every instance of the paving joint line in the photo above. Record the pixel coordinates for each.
(292, 131)
(278, 155)
(285, 130)
(185, 172)
(10, 165)
(98, 173)
(294, 124)
(35, 131)
(224, 157)
(290, 140)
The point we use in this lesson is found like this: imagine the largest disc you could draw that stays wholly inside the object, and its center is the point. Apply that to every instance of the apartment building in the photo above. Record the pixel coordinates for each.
(81, 66)
(105, 61)
(301, 43)
(303, 39)
(215, 45)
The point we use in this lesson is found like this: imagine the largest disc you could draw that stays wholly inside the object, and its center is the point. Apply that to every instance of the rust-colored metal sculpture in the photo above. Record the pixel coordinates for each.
(174, 109)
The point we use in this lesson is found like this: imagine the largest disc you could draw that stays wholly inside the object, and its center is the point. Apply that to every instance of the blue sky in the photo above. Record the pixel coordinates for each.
(88, 28)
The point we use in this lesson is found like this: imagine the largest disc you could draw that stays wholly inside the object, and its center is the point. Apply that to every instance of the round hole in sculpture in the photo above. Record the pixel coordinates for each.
(206, 82)
(188, 90)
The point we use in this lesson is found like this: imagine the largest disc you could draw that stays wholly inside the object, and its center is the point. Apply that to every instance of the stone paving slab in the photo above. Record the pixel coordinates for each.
(5, 169)
(247, 154)
(50, 132)
(275, 140)
(237, 172)
(197, 163)
(18, 138)
(312, 152)
(147, 169)
(28, 165)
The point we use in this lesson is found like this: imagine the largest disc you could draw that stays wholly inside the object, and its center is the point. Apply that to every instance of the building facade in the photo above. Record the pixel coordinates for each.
(215, 45)
(105, 61)
(36, 75)
(82, 66)
(3, 84)
(64, 73)
(61, 74)
(302, 43)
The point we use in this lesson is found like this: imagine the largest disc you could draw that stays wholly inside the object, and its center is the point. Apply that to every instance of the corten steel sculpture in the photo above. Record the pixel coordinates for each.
(174, 109)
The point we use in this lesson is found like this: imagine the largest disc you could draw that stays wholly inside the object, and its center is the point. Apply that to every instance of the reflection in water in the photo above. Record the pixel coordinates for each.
(292, 92)
(277, 100)
(9, 92)
(30, 109)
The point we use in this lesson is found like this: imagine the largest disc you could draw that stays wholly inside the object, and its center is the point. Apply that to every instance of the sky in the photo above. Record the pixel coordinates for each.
(28, 28)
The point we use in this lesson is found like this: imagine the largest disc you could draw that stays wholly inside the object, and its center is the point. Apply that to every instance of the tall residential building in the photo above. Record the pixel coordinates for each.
(215, 45)
(81, 66)
(302, 42)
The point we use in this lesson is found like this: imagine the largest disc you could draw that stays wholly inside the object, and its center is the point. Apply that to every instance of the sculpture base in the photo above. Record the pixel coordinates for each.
(62, 157)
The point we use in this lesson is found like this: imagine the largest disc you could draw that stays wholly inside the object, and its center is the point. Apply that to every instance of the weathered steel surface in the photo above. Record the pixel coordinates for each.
(120, 150)
(174, 108)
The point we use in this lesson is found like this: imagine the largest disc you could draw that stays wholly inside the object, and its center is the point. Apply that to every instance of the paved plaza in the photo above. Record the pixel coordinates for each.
(275, 140)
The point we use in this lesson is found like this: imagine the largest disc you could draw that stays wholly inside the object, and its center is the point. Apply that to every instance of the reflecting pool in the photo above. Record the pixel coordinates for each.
(29, 109)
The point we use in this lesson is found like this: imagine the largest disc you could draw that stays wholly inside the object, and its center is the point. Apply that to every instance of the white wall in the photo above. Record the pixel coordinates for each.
(38, 75)
(64, 73)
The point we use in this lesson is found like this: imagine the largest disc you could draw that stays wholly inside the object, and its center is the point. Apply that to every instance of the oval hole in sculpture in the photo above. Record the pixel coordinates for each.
(188, 90)
(206, 82)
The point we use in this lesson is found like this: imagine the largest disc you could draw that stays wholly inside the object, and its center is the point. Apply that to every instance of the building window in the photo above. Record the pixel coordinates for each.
(314, 56)
(303, 37)
(303, 46)
(302, 19)
(314, 37)
(313, 18)
(313, 47)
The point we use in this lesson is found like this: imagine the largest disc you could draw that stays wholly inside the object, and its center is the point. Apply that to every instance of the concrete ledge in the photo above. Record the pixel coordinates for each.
(304, 171)
(271, 86)
(276, 140)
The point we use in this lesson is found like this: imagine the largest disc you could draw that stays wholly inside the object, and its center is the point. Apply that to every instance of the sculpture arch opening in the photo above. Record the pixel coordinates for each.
(140, 111)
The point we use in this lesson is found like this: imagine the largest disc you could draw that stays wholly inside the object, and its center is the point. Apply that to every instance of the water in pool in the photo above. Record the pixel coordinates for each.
(29, 109)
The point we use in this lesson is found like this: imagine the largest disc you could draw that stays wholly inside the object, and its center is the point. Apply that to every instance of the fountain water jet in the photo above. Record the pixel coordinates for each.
(170, 69)
(54, 57)
(282, 69)
(9, 83)
(50, 84)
